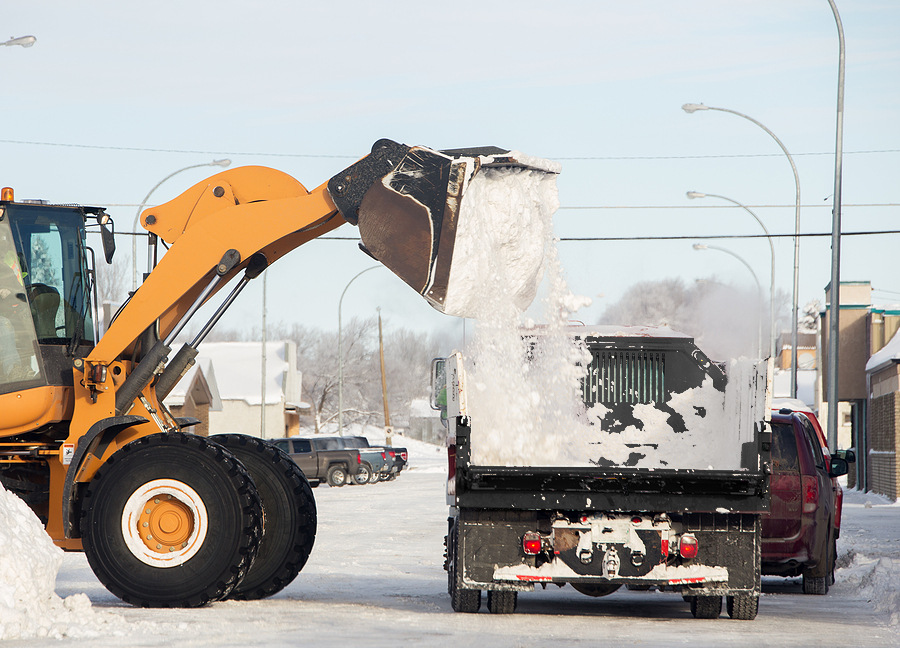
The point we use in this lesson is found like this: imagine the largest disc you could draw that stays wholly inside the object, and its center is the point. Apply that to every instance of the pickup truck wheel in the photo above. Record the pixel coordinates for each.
(501, 602)
(742, 606)
(336, 476)
(374, 477)
(364, 475)
(289, 516)
(171, 520)
(706, 607)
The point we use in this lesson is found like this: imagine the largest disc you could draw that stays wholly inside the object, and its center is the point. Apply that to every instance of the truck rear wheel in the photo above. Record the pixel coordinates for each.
(289, 516)
(364, 475)
(336, 476)
(171, 520)
(742, 606)
(706, 607)
(501, 601)
(461, 599)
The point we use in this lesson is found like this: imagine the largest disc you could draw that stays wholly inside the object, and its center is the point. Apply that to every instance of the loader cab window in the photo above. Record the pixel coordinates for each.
(57, 281)
(20, 363)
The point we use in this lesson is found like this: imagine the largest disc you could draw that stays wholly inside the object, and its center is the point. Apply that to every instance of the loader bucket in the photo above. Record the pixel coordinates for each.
(411, 209)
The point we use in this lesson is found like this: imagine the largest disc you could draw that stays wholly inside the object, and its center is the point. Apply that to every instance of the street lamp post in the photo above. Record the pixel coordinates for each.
(702, 246)
(691, 108)
(697, 194)
(341, 353)
(21, 41)
(220, 163)
(833, 328)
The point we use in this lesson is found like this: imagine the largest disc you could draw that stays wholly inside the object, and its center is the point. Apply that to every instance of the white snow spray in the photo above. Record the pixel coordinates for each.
(523, 379)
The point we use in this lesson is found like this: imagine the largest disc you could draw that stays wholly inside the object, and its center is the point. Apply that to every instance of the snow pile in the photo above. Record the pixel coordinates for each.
(29, 561)
(869, 556)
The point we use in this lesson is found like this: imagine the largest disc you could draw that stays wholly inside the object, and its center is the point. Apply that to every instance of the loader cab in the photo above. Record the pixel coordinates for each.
(46, 311)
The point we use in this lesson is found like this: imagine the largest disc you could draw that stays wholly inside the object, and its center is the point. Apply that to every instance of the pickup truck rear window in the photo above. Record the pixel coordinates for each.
(302, 445)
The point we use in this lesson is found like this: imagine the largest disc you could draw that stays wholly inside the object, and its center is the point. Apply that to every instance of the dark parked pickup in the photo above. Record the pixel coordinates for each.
(399, 456)
(322, 459)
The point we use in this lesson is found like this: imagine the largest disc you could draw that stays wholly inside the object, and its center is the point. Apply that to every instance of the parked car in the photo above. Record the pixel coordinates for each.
(322, 460)
(374, 462)
(798, 533)
(398, 457)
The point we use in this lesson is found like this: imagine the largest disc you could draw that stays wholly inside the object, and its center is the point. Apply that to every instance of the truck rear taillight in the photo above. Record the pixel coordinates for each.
(810, 487)
(688, 546)
(404, 456)
(531, 543)
(451, 462)
(358, 458)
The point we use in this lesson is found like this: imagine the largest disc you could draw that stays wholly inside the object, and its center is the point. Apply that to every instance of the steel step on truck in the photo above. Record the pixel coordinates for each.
(664, 491)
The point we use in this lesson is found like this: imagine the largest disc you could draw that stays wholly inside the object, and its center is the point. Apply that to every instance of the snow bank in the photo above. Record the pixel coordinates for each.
(29, 561)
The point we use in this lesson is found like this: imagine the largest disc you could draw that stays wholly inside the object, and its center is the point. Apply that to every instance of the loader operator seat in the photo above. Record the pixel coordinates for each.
(44, 302)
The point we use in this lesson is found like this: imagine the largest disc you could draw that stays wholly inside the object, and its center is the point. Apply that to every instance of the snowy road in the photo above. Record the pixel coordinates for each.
(375, 579)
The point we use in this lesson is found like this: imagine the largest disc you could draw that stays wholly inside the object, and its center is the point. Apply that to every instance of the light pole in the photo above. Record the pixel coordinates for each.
(341, 353)
(833, 328)
(22, 41)
(697, 194)
(691, 108)
(702, 246)
(220, 163)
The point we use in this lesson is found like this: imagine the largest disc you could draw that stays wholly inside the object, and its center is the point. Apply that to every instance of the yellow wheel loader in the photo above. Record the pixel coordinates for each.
(169, 518)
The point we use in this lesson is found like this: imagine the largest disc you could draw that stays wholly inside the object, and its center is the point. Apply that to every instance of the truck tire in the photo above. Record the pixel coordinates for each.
(374, 477)
(289, 514)
(364, 475)
(501, 601)
(461, 599)
(742, 607)
(706, 607)
(813, 582)
(337, 476)
(197, 504)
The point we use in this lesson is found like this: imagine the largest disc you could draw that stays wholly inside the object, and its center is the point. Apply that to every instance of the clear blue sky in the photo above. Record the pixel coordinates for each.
(115, 96)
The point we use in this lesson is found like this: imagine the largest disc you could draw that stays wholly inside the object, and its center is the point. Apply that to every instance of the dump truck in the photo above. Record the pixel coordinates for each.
(167, 518)
(660, 484)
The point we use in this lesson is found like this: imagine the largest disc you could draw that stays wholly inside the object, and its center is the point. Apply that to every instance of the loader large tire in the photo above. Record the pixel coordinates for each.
(289, 516)
(197, 504)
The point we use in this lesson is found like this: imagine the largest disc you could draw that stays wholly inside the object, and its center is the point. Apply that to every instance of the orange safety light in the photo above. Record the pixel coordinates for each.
(6, 194)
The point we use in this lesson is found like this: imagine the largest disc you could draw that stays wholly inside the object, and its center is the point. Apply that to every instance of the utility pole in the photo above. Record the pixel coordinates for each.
(388, 430)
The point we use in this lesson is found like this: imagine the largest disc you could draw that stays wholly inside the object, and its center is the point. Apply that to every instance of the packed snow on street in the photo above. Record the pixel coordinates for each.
(376, 578)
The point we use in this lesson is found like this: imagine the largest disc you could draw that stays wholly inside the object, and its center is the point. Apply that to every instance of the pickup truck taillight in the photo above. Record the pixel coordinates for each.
(358, 458)
(688, 546)
(810, 487)
(404, 456)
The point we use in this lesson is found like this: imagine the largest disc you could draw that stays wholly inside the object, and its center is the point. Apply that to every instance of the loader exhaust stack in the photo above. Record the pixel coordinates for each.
(411, 209)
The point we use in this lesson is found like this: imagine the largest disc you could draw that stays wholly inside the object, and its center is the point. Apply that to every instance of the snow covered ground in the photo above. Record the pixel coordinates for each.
(375, 578)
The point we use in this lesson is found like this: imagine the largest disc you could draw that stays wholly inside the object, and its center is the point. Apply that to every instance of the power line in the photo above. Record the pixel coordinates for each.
(356, 156)
(678, 237)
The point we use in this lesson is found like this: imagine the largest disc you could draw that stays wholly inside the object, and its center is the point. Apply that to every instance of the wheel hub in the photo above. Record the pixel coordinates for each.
(164, 523)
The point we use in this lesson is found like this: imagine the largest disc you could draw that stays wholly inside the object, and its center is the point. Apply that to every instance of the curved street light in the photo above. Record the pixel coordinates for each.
(22, 41)
(697, 194)
(220, 163)
(833, 327)
(692, 108)
(341, 352)
(703, 246)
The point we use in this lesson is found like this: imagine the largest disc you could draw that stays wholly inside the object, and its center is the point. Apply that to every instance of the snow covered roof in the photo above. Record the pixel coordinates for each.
(238, 369)
(888, 354)
(199, 377)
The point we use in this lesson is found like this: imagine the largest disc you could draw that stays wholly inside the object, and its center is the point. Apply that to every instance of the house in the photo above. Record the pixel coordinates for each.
(883, 432)
(267, 408)
(195, 396)
(864, 331)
